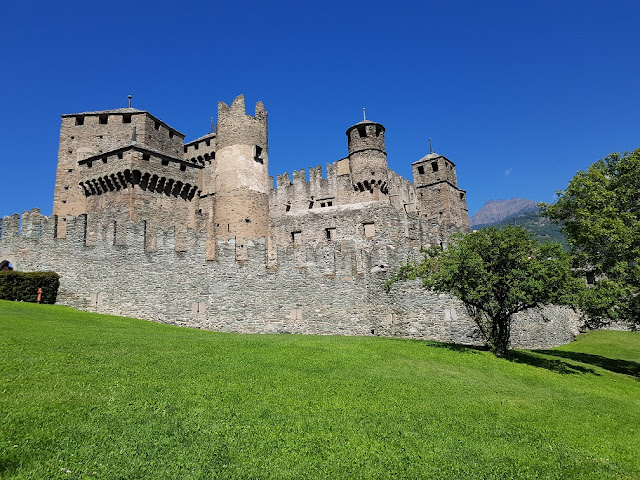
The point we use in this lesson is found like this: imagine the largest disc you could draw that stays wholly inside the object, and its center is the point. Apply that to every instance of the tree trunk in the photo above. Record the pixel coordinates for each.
(500, 334)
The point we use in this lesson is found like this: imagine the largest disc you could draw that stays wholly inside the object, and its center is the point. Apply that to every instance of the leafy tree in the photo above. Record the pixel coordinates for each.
(497, 273)
(600, 210)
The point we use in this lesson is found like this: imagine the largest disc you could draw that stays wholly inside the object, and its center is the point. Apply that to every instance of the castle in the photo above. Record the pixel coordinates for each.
(196, 234)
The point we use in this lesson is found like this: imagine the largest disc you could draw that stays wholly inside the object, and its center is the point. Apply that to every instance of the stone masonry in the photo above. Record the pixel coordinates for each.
(196, 234)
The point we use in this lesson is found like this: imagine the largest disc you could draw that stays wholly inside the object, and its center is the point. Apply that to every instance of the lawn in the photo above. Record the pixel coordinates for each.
(93, 396)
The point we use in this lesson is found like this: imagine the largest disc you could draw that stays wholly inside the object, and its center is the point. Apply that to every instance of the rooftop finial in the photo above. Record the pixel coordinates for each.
(129, 97)
(430, 147)
(364, 116)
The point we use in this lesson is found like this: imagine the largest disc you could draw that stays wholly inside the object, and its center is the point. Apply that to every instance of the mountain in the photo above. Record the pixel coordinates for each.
(519, 212)
(495, 211)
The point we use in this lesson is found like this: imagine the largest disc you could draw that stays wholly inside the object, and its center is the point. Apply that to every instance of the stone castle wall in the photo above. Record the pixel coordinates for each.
(337, 287)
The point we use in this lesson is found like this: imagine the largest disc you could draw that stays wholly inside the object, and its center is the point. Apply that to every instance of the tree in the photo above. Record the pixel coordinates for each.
(601, 213)
(497, 273)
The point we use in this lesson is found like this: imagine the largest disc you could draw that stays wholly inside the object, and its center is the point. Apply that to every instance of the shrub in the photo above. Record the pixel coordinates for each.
(23, 286)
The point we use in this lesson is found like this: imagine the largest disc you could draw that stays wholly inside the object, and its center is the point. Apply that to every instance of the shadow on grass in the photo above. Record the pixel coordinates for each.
(458, 347)
(540, 358)
(625, 367)
(535, 359)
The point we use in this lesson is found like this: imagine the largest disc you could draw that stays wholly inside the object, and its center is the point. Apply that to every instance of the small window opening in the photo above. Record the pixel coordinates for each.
(287, 208)
(331, 233)
(591, 278)
(461, 196)
(257, 156)
(322, 204)
(79, 121)
(434, 166)
(247, 220)
(185, 149)
(165, 162)
(146, 156)
(103, 119)
(100, 136)
(362, 131)
(171, 135)
(421, 169)
(156, 125)
(208, 143)
(66, 187)
(296, 237)
(64, 201)
(104, 159)
(196, 146)
(120, 155)
(310, 205)
(126, 118)
(183, 167)
(369, 229)
(329, 204)
(378, 130)
(72, 137)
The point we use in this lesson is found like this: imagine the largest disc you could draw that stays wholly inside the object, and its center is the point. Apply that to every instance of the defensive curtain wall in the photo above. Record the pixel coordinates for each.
(333, 287)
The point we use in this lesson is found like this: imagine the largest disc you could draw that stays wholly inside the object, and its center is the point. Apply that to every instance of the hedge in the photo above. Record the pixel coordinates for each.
(23, 286)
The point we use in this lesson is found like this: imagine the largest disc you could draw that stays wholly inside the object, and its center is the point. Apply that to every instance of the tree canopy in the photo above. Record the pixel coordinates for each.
(600, 209)
(497, 273)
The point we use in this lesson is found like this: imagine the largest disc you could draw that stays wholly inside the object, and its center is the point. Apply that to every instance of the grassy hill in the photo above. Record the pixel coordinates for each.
(92, 396)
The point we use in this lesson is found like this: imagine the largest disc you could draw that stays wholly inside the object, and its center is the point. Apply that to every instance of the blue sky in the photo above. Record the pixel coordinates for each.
(520, 95)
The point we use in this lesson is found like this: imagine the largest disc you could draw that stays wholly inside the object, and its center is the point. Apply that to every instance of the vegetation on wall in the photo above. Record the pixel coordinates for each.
(24, 286)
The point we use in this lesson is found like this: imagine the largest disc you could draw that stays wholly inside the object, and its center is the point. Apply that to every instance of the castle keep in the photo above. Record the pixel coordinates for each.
(196, 234)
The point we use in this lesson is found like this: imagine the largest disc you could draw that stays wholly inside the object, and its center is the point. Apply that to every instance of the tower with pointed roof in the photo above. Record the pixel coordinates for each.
(438, 198)
(368, 159)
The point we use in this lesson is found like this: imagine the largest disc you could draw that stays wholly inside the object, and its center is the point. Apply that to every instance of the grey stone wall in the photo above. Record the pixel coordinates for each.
(334, 288)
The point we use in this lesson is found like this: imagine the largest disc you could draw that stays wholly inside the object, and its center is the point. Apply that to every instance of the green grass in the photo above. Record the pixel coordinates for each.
(93, 396)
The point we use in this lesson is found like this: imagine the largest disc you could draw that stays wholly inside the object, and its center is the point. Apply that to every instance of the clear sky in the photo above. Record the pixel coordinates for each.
(520, 95)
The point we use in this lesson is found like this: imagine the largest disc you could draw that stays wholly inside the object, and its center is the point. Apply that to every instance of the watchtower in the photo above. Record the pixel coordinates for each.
(241, 176)
(438, 197)
(368, 158)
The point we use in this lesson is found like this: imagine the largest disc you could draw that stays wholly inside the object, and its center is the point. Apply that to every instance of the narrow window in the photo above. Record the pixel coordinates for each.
(156, 125)
(185, 149)
(329, 204)
(331, 233)
(103, 119)
(171, 134)
(434, 166)
(66, 187)
(146, 156)
(287, 208)
(310, 205)
(362, 131)
(208, 143)
(126, 118)
(165, 162)
(296, 237)
(79, 120)
(196, 146)
(421, 169)
(120, 155)
(183, 167)
(322, 204)
(461, 196)
(257, 155)
(69, 170)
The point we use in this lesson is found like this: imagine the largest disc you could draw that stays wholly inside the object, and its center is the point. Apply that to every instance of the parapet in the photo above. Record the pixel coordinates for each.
(235, 127)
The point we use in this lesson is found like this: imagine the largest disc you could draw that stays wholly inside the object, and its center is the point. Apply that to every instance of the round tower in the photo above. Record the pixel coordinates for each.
(241, 181)
(368, 157)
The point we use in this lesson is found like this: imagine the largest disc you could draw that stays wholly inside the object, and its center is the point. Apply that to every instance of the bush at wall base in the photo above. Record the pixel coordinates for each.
(23, 286)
